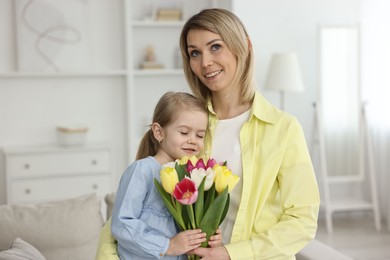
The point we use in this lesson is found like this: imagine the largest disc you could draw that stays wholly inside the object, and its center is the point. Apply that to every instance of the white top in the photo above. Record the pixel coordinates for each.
(226, 147)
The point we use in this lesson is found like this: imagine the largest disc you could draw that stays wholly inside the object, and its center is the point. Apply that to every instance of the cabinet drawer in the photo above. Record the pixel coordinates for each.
(48, 189)
(38, 164)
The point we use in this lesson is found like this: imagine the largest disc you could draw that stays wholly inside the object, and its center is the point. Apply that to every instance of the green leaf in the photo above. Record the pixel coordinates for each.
(181, 171)
(199, 204)
(225, 211)
(166, 197)
(210, 195)
(212, 217)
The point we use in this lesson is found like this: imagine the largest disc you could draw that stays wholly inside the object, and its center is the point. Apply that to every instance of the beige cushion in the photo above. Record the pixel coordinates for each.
(21, 250)
(110, 199)
(67, 229)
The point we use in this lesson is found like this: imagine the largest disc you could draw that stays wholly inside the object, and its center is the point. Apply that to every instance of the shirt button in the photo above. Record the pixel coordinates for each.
(161, 254)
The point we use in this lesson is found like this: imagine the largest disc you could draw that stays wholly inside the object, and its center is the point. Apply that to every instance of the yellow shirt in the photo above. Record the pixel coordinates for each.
(280, 200)
(107, 246)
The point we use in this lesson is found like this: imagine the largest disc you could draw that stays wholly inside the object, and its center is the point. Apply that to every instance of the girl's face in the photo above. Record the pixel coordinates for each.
(184, 136)
(211, 60)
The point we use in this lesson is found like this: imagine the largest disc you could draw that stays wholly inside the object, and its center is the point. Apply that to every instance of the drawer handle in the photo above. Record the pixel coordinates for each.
(95, 187)
(94, 162)
(26, 166)
(27, 191)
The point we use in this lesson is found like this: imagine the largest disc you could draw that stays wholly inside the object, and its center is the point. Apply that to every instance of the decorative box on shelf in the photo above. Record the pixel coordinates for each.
(46, 173)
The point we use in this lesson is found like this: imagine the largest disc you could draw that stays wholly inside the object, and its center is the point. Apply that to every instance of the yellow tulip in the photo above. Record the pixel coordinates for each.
(169, 179)
(185, 159)
(224, 177)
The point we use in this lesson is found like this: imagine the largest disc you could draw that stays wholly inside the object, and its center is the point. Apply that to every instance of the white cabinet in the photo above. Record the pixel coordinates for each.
(36, 174)
(146, 86)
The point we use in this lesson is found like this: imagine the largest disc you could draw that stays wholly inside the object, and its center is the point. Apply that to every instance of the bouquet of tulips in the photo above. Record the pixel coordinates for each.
(196, 192)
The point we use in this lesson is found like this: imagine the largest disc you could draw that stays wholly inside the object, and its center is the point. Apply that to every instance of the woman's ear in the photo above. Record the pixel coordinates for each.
(249, 44)
(158, 132)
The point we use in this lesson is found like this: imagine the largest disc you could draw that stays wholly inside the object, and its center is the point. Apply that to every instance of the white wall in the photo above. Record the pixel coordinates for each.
(291, 25)
(376, 88)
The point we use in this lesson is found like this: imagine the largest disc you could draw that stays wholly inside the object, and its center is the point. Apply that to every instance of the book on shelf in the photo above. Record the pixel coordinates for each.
(168, 14)
(151, 65)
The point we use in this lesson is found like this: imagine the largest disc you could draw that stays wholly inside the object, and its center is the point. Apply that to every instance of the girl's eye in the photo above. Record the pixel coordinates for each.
(183, 133)
(215, 47)
(200, 136)
(194, 53)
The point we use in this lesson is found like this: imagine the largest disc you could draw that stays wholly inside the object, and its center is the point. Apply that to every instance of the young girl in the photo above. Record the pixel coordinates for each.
(141, 223)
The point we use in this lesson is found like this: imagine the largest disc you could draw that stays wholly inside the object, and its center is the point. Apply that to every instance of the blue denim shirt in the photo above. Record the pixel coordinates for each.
(140, 221)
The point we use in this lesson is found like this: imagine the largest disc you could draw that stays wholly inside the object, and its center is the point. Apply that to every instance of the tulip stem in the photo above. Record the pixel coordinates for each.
(190, 211)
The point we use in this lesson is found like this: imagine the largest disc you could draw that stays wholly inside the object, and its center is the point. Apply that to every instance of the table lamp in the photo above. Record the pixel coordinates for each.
(284, 74)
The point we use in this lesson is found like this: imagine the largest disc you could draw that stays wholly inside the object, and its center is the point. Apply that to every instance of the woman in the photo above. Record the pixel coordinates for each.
(273, 213)
(273, 210)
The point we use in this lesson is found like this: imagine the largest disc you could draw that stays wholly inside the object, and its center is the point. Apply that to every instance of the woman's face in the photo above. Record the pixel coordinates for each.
(211, 60)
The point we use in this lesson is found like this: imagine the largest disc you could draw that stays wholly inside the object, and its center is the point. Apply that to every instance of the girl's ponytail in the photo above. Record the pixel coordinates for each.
(148, 146)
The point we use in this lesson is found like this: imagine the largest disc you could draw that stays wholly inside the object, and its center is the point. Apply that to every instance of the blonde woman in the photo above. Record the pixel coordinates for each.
(273, 211)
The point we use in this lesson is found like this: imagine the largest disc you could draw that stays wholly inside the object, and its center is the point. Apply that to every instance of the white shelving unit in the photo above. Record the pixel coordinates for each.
(145, 87)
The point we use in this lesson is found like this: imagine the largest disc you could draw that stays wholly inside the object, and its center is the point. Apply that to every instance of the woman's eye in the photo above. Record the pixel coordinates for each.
(215, 47)
(184, 133)
(194, 53)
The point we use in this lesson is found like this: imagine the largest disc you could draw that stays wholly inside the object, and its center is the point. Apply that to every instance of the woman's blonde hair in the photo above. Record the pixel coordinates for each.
(169, 105)
(234, 34)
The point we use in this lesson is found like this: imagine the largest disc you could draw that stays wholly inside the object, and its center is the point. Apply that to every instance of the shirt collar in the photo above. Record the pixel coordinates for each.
(261, 109)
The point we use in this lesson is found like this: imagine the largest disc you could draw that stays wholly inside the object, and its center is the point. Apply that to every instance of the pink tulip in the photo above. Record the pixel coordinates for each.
(211, 162)
(186, 192)
(199, 165)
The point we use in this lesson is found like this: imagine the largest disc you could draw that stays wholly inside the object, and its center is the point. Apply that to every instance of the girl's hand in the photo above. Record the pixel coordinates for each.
(216, 240)
(185, 241)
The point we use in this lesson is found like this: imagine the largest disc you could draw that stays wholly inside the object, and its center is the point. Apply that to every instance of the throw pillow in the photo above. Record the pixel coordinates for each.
(21, 250)
(61, 230)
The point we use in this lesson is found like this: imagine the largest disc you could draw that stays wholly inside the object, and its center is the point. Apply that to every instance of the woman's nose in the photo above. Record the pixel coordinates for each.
(206, 60)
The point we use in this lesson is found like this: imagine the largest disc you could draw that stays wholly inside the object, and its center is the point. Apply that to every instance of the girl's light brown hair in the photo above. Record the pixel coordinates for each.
(169, 105)
(234, 34)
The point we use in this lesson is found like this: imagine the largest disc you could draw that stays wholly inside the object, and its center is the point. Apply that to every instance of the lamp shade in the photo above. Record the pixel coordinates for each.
(284, 73)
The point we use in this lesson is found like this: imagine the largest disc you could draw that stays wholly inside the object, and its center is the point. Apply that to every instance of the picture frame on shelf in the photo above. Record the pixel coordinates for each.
(49, 32)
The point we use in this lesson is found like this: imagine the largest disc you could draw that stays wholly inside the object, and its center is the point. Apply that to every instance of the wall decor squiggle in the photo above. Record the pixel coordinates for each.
(51, 35)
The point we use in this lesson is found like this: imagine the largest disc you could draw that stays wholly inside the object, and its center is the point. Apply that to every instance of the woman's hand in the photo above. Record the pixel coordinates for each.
(216, 240)
(185, 241)
(215, 253)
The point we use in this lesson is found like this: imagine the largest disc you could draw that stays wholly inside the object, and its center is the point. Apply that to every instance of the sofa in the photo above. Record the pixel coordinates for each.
(58, 230)
(69, 230)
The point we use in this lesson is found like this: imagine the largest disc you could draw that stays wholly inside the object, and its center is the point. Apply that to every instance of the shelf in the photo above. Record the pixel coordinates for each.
(345, 179)
(159, 72)
(350, 204)
(158, 23)
(39, 74)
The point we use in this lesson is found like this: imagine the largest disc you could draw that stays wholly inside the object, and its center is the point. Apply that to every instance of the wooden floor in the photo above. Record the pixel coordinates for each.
(356, 237)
